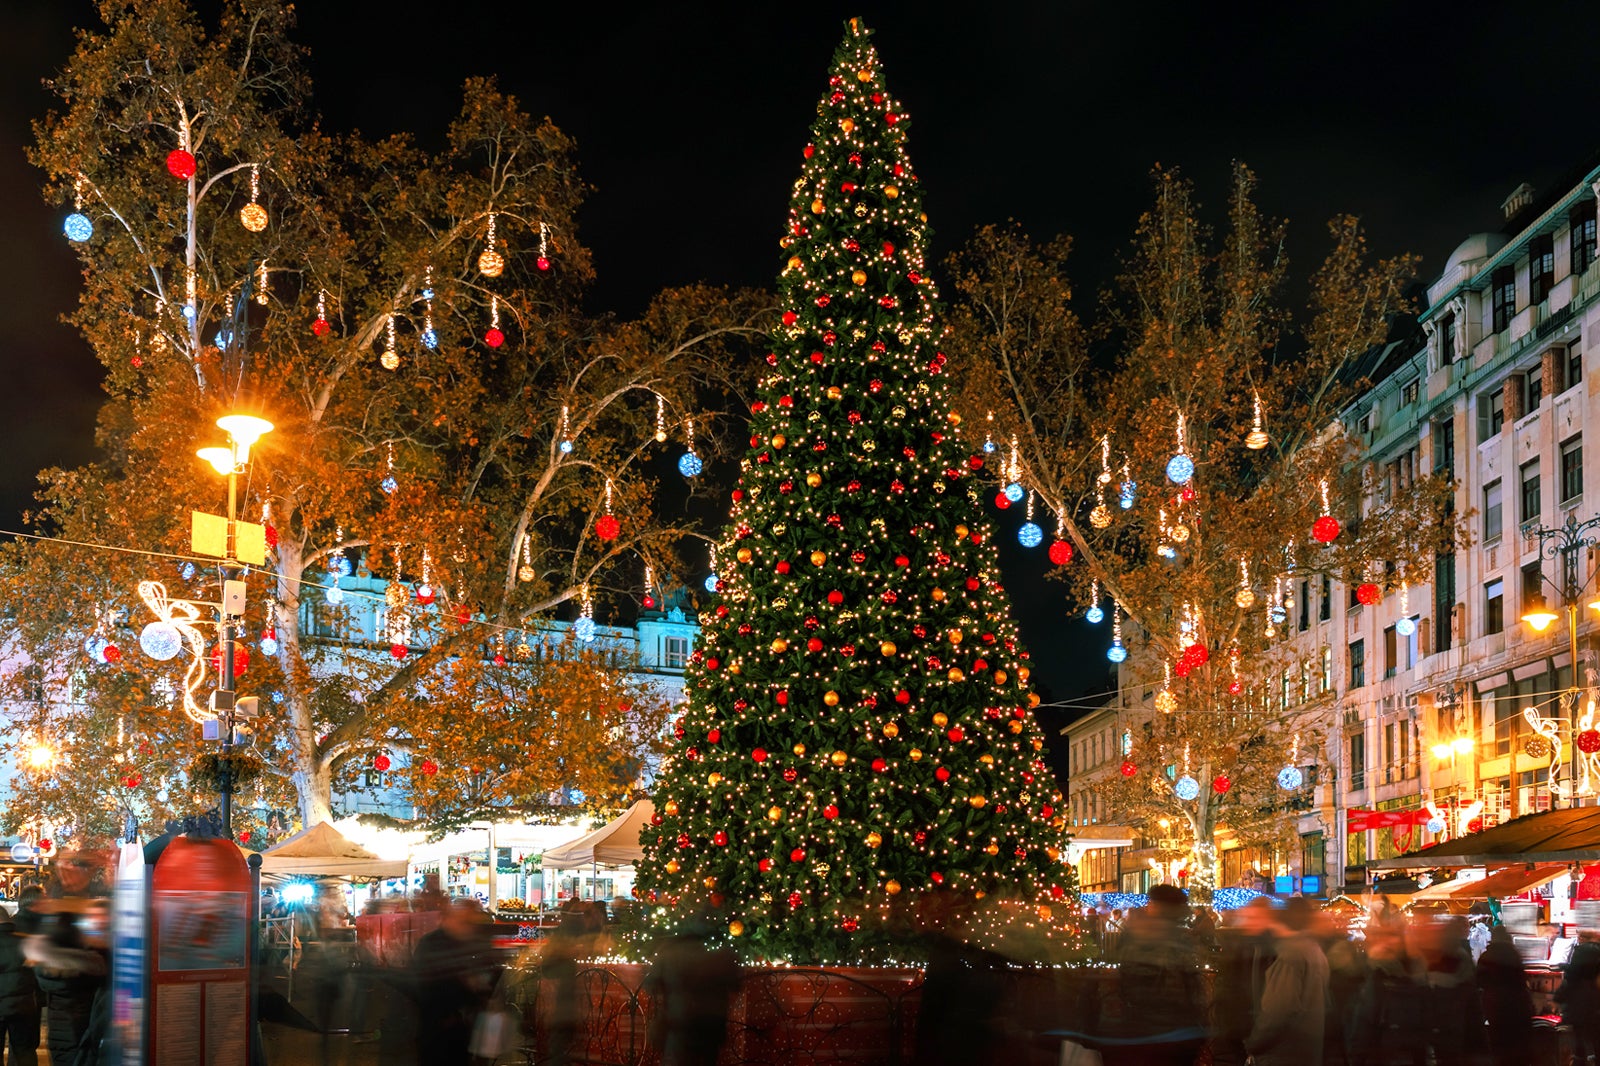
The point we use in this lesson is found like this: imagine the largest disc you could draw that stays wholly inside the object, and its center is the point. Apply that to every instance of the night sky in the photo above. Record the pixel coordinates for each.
(689, 119)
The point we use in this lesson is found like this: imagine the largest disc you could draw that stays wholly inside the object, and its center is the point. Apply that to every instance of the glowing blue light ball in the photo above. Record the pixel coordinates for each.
(1180, 468)
(566, 449)
(711, 582)
(1405, 627)
(1277, 615)
(269, 646)
(345, 567)
(988, 445)
(584, 627)
(189, 312)
(389, 484)
(1094, 615)
(689, 464)
(430, 338)
(335, 595)
(1029, 535)
(1435, 825)
(187, 570)
(78, 227)
(1117, 653)
(161, 640)
(1186, 788)
(1015, 492)
(1167, 551)
(1290, 778)
(1129, 491)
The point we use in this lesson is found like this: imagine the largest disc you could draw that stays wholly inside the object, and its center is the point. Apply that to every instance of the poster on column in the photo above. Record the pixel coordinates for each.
(200, 929)
(129, 993)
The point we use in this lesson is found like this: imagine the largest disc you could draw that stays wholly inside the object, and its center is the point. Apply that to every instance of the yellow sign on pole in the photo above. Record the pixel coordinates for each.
(208, 535)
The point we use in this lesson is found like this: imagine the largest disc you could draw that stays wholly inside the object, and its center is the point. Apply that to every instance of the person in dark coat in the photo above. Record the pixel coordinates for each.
(1247, 949)
(1162, 1020)
(67, 952)
(19, 998)
(1507, 1003)
(690, 986)
(1452, 1016)
(1385, 1018)
(1289, 1027)
(455, 974)
(961, 991)
(1579, 995)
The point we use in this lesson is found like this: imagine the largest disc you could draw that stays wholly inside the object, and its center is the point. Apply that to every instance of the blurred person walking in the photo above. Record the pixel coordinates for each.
(1507, 1003)
(690, 987)
(455, 972)
(67, 950)
(1385, 1022)
(1452, 1015)
(1579, 996)
(1162, 1008)
(19, 997)
(1248, 946)
(1288, 1029)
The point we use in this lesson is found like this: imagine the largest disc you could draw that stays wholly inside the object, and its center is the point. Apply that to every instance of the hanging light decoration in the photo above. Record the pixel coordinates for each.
(262, 294)
(1290, 777)
(1325, 530)
(1256, 439)
(1129, 768)
(390, 359)
(606, 527)
(1116, 653)
(988, 434)
(649, 601)
(77, 226)
(429, 337)
(661, 419)
(490, 262)
(584, 626)
(319, 326)
(566, 431)
(1163, 548)
(1029, 535)
(252, 216)
(1013, 490)
(1235, 683)
(526, 572)
(1368, 594)
(1104, 477)
(1277, 614)
(711, 579)
(1061, 547)
(689, 464)
(1100, 515)
(1180, 468)
(389, 484)
(1245, 597)
(493, 337)
(543, 262)
(1186, 787)
(1127, 492)
(1406, 625)
(1094, 615)
(426, 593)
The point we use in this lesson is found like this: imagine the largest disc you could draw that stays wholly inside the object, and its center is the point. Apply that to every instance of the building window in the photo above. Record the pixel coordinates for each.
(1571, 470)
(1530, 493)
(676, 651)
(1444, 599)
(1532, 390)
(1325, 603)
(1444, 447)
(1358, 761)
(1391, 656)
(1288, 686)
(1305, 681)
(1408, 392)
(1447, 340)
(1583, 232)
(1358, 663)
(1325, 685)
(1574, 365)
(1491, 413)
(1305, 606)
(1541, 267)
(1504, 298)
(1532, 585)
(1494, 606)
(1491, 511)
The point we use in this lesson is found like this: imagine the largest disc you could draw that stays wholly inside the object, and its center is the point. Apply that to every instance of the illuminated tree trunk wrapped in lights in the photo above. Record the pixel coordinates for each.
(860, 730)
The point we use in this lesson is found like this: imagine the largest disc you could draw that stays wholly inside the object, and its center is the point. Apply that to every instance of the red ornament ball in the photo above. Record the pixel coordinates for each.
(1061, 553)
(494, 338)
(1001, 501)
(1235, 687)
(1220, 784)
(381, 763)
(942, 774)
(132, 781)
(46, 845)
(1325, 530)
(399, 651)
(180, 164)
(835, 598)
(759, 755)
(830, 812)
(606, 527)
(764, 865)
(542, 263)
(463, 615)
(429, 767)
(271, 536)
(648, 603)
(1589, 741)
(320, 328)
(112, 653)
(241, 658)
(426, 594)
(720, 839)
(879, 765)
(936, 877)
(1128, 768)
(797, 855)
(1368, 593)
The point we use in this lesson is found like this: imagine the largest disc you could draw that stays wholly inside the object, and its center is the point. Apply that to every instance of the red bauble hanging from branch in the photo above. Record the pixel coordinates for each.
(606, 527)
(1220, 784)
(428, 767)
(180, 164)
(1369, 594)
(399, 651)
(1129, 768)
(1325, 530)
(1061, 553)
(381, 763)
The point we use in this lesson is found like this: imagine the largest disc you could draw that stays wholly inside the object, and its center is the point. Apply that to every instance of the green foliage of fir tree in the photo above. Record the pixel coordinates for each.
(859, 750)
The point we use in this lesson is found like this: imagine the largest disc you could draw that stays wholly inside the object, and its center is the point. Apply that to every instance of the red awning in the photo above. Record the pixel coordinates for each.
(1512, 881)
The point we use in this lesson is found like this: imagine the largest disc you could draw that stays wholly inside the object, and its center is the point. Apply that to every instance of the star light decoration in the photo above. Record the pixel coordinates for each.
(858, 657)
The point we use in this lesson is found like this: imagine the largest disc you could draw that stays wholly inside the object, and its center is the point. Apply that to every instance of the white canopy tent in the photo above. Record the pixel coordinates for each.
(613, 844)
(322, 851)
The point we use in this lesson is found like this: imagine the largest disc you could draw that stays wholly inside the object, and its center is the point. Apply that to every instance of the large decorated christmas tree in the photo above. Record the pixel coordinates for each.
(860, 728)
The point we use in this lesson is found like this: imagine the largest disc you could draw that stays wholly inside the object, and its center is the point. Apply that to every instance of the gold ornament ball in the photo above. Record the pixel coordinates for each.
(390, 359)
(710, 882)
(891, 730)
(774, 814)
(1166, 702)
(835, 392)
(938, 595)
(253, 217)
(1244, 599)
(1033, 699)
(671, 807)
(892, 887)
(955, 674)
(1000, 677)
(831, 698)
(818, 558)
(672, 866)
(1023, 673)
(1016, 726)
(839, 758)
(874, 839)
(916, 754)
(847, 124)
(736, 928)
(1038, 745)
(941, 719)
(779, 645)
(864, 74)
(743, 555)
(1100, 517)
(396, 595)
(887, 648)
(714, 779)
(817, 206)
(735, 668)
(992, 849)
(661, 436)
(954, 636)
(1180, 533)
(962, 531)
(953, 418)
(794, 262)
(491, 263)
(986, 759)
(977, 802)
(813, 479)
(779, 440)
(859, 277)
(891, 191)
(1255, 440)
(799, 749)
(1054, 853)
(1044, 913)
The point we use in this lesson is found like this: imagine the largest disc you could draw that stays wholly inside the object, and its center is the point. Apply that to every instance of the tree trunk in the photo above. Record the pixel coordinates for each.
(311, 774)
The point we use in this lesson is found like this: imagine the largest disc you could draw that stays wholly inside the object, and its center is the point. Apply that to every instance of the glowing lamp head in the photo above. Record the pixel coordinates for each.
(221, 459)
(1461, 745)
(1441, 751)
(245, 431)
(1539, 616)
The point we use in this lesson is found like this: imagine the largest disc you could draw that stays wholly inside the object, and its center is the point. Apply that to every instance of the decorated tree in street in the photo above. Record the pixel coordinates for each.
(448, 419)
(859, 732)
(1185, 482)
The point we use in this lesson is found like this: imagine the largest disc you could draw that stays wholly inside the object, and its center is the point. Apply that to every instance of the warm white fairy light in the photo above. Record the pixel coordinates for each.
(390, 359)
(184, 617)
(661, 419)
(261, 283)
(525, 572)
(1104, 477)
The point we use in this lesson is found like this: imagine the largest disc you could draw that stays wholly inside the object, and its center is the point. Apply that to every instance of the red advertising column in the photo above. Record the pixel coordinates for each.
(200, 1012)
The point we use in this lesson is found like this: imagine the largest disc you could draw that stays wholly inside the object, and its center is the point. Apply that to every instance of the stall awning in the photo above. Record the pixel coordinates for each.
(614, 844)
(1564, 836)
(1512, 881)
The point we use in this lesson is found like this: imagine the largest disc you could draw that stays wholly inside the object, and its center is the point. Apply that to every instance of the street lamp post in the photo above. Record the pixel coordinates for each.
(243, 431)
(1562, 543)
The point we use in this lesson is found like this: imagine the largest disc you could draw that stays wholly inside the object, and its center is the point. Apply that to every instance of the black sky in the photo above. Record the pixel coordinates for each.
(689, 118)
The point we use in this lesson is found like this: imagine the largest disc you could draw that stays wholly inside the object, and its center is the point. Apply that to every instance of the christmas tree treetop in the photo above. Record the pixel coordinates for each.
(859, 744)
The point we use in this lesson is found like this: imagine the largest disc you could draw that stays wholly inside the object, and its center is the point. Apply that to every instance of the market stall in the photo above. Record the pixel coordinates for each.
(615, 844)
